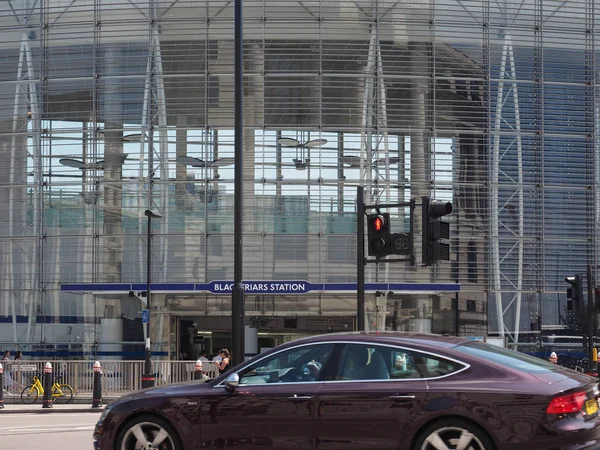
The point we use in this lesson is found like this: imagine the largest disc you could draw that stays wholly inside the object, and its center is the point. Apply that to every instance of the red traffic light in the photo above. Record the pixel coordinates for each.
(377, 223)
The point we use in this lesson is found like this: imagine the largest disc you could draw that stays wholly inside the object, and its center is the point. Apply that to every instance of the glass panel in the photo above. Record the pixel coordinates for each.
(364, 362)
(300, 364)
(507, 358)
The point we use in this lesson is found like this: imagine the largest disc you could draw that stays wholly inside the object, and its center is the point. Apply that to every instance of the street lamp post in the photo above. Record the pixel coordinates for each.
(148, 375)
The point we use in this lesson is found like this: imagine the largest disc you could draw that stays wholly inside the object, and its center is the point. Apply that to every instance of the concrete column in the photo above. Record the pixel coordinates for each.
(88, 310)
(111, 330)
(251, 341)
(113, 165)
(180, 169)
(160, 324)
(419, 89)
(253, 120)
(376, 307)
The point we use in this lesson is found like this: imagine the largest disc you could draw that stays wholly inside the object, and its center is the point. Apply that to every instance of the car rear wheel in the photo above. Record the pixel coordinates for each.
(146, 433)
(453, 434)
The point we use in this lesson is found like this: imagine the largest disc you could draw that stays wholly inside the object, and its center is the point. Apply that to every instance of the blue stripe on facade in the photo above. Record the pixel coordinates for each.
(311, 287)
(88, 287)
(52, 319)
(184, 287)
(424, 287)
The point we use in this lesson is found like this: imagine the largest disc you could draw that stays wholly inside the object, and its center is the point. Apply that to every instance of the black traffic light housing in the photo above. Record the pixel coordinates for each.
(378, 228)
(575, 292)
(434, 230)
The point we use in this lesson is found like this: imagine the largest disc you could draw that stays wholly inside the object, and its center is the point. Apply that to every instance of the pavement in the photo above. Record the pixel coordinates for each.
(36, 408)
(13, 405)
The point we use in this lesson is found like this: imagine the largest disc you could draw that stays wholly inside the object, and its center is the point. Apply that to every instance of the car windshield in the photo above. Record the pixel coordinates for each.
(508, 358)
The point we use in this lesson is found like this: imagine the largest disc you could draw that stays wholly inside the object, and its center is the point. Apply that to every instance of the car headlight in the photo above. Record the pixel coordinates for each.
(98, 428)
(104, 413)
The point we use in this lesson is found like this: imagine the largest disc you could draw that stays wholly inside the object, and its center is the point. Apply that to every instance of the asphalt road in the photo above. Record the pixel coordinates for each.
(52, 431)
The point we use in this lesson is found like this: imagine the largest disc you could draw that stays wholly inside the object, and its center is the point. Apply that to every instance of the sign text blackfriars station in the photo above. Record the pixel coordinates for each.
(262, 287)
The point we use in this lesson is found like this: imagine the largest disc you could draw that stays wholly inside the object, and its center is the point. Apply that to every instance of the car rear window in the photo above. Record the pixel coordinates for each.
(507, 358)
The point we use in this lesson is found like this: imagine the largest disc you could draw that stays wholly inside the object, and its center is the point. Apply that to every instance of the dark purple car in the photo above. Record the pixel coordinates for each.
(366, 391)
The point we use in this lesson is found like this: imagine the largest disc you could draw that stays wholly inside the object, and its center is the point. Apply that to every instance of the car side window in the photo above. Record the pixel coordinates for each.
(364, 362)
(296, 365)
(435, 367)
(373, 362)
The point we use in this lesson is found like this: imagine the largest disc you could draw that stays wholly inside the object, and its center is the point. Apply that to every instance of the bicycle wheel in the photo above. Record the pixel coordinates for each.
(64, 395)
(29, 394)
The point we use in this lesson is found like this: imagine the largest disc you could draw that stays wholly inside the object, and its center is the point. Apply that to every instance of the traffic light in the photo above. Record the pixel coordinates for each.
(379, 234)
(433, 229)
(575, 292)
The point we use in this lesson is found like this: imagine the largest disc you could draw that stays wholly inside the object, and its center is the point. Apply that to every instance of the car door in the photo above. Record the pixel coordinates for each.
(370, 400)
(273, 406)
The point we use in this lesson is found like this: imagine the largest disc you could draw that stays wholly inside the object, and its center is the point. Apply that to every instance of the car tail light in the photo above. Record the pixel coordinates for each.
(568, 403)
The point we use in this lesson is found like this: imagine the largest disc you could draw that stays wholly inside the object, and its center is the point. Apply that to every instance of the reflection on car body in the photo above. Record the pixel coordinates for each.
(367, 391)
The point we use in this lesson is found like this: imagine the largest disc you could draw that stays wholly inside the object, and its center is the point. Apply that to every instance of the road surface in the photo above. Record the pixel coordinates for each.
(49, 431)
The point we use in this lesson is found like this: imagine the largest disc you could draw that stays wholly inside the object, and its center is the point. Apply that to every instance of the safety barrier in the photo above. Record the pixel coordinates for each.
(118, 377)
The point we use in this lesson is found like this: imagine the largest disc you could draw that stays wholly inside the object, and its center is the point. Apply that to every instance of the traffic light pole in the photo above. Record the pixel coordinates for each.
(238, 307)
(360, 258)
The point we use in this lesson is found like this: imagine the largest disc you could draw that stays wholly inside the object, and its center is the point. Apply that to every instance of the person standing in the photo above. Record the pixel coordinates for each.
(17, 376)
(8, 383)
(553, 358)
(203, 357)
(224, 364)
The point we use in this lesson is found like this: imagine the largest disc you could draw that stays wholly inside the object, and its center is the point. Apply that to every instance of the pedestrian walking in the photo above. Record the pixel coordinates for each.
(8, 382)
(16, 372)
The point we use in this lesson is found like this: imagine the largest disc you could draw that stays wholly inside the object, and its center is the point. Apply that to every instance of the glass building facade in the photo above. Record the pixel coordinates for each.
(109, 108)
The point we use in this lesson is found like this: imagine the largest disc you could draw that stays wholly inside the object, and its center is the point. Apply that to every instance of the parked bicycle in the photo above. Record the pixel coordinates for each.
(61, 392)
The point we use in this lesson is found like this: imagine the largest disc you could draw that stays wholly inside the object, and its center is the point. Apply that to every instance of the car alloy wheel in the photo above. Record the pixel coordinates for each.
(453, 434)
(452, 438)
(148, 434)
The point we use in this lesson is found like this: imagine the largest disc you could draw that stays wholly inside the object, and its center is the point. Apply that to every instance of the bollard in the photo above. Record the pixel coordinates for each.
(198, 370)
(97, 392)
(47, 401)
(1, 386)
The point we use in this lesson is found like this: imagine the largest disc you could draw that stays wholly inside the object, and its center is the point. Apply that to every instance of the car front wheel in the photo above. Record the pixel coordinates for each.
(453, 434)
(146, 433)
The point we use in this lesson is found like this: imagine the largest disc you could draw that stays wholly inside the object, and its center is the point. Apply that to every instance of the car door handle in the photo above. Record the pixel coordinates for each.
(299, 398)
(401, 397)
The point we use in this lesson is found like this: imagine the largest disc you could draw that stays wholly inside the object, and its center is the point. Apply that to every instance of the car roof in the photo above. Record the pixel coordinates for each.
(388, 337)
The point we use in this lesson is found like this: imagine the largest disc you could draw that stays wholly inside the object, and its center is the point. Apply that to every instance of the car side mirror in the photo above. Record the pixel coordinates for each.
(232, 382)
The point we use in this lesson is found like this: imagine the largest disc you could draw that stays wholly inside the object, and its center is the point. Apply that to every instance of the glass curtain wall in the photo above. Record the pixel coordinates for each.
(108, 108)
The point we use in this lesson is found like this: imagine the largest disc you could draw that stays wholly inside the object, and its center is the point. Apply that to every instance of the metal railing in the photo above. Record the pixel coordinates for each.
(118, 377)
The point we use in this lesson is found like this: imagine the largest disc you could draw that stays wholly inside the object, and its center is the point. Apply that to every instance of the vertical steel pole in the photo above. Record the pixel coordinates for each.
(590, 317)
(237, 300)
(148, 375)
(360, 257)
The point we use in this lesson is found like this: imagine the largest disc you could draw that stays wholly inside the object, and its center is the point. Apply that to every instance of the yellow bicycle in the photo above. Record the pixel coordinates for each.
(61, 392)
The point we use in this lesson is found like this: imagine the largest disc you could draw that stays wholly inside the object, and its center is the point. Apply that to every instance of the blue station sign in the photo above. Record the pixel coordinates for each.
(225, 287)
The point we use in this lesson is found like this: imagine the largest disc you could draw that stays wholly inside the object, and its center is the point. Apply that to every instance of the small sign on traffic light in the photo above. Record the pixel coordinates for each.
(400, 244)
